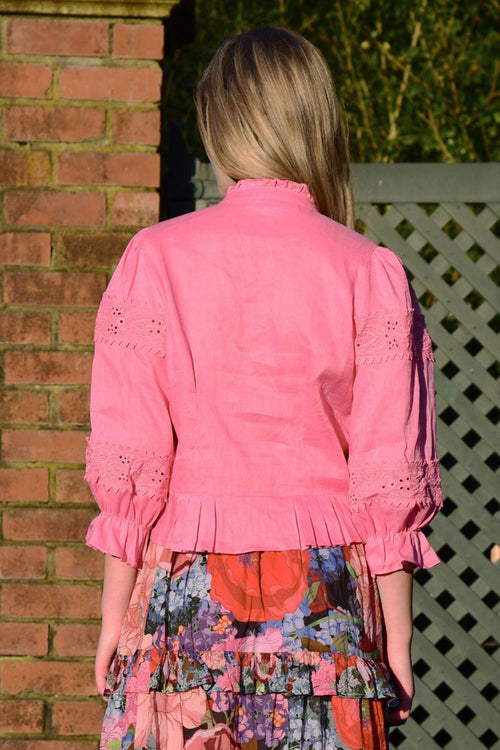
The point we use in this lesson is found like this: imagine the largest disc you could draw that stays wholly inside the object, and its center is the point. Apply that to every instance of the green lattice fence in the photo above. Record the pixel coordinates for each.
(443, 220)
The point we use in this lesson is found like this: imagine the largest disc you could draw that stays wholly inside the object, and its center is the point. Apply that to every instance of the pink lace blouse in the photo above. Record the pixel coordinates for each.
(262, 379)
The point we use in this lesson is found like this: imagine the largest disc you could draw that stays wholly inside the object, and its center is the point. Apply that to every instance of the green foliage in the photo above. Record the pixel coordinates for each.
(418, 78)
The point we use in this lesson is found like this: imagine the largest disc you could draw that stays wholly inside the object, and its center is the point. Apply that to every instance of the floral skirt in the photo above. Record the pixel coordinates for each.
(252, 651)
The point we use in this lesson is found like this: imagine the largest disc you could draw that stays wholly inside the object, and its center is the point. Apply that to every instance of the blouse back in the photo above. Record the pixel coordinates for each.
(262, 380)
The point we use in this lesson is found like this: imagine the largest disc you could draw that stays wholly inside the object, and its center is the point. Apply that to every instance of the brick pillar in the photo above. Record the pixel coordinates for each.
(79, 137)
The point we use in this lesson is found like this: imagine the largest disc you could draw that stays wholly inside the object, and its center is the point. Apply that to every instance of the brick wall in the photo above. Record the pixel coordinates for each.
(79, 134)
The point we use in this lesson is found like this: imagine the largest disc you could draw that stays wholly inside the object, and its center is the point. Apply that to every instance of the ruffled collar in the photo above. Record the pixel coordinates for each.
(260, 184)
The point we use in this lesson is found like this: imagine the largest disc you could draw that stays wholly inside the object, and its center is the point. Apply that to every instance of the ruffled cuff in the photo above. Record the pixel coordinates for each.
(119, 537)
(389, 553)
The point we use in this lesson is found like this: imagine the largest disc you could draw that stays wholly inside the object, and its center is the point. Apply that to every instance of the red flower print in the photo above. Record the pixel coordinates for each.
(320, 601)
(259, 586)
(359, 723)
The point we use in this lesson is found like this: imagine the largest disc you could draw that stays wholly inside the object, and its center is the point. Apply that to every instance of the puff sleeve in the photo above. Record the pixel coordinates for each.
(130, 450)
(393, 469)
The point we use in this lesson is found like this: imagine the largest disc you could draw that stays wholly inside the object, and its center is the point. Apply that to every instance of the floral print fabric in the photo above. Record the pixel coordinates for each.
(259, 650)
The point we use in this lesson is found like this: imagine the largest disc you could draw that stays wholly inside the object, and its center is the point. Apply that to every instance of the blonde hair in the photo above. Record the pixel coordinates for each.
(267, 107)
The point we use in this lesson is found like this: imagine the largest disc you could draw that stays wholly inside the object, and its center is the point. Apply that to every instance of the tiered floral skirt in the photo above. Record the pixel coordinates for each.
(252, 651)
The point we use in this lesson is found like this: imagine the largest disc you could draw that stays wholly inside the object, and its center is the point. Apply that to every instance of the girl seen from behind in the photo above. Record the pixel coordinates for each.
(263, 441)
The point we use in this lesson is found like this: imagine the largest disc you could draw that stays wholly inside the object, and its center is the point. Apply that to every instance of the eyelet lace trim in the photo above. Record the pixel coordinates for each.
(120, 468)
(415, 483)
(387, 336)
(128, 323)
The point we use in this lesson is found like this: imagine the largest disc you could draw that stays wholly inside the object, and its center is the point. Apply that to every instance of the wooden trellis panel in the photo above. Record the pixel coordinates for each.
(443, 220)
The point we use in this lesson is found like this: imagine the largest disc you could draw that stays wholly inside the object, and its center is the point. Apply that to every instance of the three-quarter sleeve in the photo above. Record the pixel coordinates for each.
(393, 468)
(130, 450)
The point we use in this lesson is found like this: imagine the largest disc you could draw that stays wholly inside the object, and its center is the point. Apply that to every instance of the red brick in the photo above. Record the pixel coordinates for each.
(24, 485)
(25, 79)
(24, 327)
(59, 368)
(99, 249)
(53, 288)
(24, 717)
(70, 717)
(108, 169)
(47, 678)
(76, 640)
(44, 37)
(24, 639)
(71, 487)
(54, 207)
(60, 446)
(137, 127)
(140, 41)
(25, 248)
(24, 407)
(76, 327)
(30, 168)
(136, 209)
(14, 744)
(116, 84)
(48, 600)
(23, 561)
(43, 524)
(74, 407)
(62, 124)
(79, 563)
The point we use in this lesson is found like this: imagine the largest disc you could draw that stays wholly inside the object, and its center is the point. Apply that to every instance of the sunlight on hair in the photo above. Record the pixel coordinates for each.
(267, 107)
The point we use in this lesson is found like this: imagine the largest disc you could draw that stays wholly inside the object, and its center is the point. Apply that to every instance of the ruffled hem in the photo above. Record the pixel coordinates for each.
(385, 555)
(119, 537)
(289, 673)
(233, 524)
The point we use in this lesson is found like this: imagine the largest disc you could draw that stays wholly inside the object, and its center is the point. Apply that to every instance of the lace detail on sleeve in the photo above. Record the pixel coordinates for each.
(387, 336)
(416, 483)
(121, 468)
(131, 324)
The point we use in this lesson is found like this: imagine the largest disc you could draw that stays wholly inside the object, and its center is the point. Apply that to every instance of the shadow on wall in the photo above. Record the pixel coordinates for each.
(178, 166)
(177, 195)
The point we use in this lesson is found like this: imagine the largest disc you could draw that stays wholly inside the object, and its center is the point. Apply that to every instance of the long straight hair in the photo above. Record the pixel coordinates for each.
(267, 107)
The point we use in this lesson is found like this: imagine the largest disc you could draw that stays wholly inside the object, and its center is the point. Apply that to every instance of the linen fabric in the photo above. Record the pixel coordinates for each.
(262, 380)
(274, 649)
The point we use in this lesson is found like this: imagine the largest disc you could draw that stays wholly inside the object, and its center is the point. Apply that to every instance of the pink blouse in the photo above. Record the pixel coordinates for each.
(262, 379)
